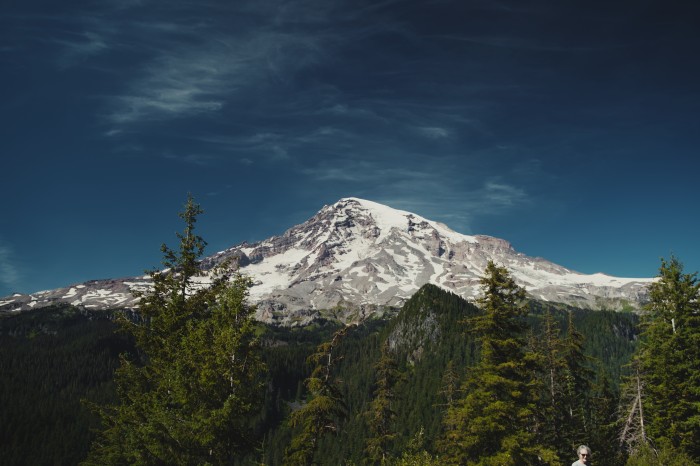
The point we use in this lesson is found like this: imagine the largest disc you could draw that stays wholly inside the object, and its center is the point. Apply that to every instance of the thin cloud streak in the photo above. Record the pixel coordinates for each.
(9, 273)
(92, 44)
(435, 193)
(205, 78)
(193, 159)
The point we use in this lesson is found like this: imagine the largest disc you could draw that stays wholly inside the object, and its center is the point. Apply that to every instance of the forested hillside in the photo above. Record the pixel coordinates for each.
(192, 378)
(52, 358)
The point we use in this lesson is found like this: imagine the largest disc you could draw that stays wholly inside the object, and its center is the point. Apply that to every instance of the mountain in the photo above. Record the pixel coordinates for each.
(355, 258)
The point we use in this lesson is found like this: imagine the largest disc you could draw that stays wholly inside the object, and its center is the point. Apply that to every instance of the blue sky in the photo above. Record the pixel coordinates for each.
(569, 128)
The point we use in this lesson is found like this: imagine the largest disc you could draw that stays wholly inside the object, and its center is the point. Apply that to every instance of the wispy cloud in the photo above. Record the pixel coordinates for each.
(9, 273)
(202, 79)
(174, 86)
(498, 195)
(193, 159)
(434, 132)
(443, 189)
(87, 45)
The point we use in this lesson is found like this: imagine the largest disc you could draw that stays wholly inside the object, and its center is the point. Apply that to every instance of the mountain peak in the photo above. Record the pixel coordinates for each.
(361, 256)
(387, 218)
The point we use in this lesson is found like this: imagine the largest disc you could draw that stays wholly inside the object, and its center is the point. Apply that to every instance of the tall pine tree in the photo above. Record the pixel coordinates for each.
(670, 359)
(187, 396)
(494, 424)
(382, 413)
(578, 383)
(324, 408)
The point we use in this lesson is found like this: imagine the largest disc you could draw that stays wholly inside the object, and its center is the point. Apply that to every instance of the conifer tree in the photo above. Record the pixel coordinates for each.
(548, 346)
(381, 413)
(604, 425)
(670, 359)
(187, 395)
(633, 431)
(578, 383)
(415, 453)
(323, 409)
(449, 388)
(494, 423)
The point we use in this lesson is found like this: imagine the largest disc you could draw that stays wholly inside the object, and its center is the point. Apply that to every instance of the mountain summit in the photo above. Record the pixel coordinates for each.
(356, 257)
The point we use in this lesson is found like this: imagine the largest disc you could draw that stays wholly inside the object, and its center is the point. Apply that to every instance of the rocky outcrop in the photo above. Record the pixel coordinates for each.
(356, 257)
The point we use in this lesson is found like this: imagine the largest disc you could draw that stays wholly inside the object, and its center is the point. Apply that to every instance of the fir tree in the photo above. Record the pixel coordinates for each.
(323, 410)
(548, 346)
(187, 395)
(415, 453)
(604, 403)
(633, 431)
(578, 383)
(670, 359)
(494, 423)
(449, 388)
(382, 413)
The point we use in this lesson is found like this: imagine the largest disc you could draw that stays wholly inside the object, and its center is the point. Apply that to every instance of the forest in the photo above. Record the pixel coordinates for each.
(55, 360)
(194, 379)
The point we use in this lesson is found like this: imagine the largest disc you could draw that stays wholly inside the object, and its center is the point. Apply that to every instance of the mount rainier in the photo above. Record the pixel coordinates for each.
(357, 257)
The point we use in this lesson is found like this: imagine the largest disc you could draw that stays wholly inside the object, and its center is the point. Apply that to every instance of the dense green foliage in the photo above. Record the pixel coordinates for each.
(324, 409)
(493, 423)
(50, 359)
(187, 394)
(669, 361)
(442, 381)
(381, 413)
(424, 338)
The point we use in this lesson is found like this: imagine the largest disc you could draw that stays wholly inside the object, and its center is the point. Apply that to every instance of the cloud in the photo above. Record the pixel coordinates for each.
(434, 132)
(498, 194)
(9, 273)
(442, 189)
(193, 159)
(174, 86)
(91, 44)
(183, 81)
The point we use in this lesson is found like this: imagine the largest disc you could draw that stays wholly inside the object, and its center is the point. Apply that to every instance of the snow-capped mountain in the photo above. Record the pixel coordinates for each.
(356, 257)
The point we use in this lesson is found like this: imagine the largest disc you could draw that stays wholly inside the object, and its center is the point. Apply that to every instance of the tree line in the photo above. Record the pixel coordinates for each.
(501, 382)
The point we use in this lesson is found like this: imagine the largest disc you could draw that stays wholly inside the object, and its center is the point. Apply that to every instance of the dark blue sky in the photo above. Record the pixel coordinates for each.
(569, 128)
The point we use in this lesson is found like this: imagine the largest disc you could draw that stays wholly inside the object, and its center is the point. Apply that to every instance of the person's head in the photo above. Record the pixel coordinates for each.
(584, 454)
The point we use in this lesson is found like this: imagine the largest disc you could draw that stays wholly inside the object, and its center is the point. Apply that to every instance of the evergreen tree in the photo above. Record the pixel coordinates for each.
(578, 383)
(415, 453)
(325, 407)
(548, 346)
(494, 423)
(670, 359)
(449, 389)
(381, 413)
(633, 432)
(188, 394)
(604, 426)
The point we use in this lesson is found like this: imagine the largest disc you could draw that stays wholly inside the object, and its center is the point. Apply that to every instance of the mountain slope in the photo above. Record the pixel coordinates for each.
(362, 255)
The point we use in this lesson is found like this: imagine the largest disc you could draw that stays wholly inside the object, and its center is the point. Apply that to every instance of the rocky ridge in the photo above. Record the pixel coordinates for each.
(355, 258)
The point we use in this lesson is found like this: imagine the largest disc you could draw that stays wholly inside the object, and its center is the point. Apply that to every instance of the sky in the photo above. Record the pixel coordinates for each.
(568, 128)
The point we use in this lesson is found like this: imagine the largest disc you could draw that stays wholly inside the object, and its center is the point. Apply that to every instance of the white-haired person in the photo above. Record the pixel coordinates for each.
(584, 456)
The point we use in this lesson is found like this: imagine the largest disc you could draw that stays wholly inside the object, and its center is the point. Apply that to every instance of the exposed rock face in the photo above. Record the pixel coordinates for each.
(363, 257)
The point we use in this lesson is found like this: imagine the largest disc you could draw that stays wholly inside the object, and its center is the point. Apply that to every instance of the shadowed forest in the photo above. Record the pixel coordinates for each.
(194, 379)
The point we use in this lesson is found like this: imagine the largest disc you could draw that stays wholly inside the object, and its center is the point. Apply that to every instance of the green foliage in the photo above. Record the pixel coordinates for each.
(603, 426)
(323, 410)
(415, 454)
(493, 423)
(578, 382)
(381, 413)
(665, 456)
(50, 359)
(670, 359)
(189, 391)
(427, 341)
